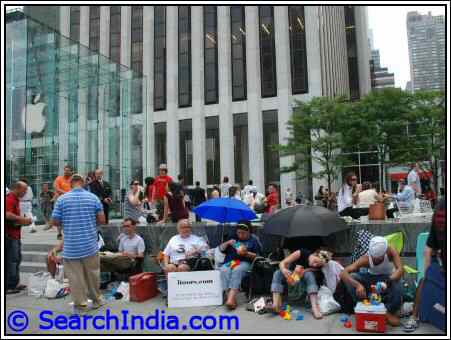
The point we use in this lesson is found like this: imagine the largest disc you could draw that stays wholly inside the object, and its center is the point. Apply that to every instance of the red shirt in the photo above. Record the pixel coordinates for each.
(161, 183)
(150, 190)
(273, 201)
(12, 206)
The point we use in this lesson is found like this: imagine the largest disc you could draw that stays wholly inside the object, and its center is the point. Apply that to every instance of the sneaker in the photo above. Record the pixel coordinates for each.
(99, 303)
(47, 227)
(162, 288)
(21, 287)
(411, 325)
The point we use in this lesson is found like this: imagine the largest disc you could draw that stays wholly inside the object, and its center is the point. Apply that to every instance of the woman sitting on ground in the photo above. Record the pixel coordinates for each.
(301, 266)
(240, 251)
(183, 249)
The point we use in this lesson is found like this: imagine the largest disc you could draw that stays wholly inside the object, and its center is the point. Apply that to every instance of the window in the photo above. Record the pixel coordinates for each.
(94, 28)
(210, 55)
(299, 79)
(241, 148)
(184, 13)
(160, 144)
(212, 150)
(137, 57)
(159, 82)
(267, 52)
(238, 43)
(270, 138)
(351, 43)
(75, 23)
(186, 150)
(115, 33)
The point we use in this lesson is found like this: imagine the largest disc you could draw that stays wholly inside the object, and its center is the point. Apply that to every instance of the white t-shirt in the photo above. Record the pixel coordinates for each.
(413, 178)
(134, 245)
(177, 247)
(225, 189)
(344, 199)
(367, 197)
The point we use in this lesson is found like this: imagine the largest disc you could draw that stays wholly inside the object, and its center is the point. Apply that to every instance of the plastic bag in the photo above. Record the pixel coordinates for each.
(326, 301)
(59, 275)
(53, 288)
(124, 289)
(37, 284)
(219, 257)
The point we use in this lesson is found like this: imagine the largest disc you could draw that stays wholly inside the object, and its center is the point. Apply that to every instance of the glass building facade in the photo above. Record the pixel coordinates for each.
(49, 79)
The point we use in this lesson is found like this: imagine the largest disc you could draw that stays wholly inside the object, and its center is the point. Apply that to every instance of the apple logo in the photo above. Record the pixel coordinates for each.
(33, 119)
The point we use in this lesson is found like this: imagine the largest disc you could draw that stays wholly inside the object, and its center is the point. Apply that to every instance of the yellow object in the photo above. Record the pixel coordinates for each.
(366, 302)
(410, 270)
(287, 316)
(396, 241)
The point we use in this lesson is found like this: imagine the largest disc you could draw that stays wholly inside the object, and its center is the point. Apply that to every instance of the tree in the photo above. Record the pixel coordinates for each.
(378, 122)
(316, 135)
(429, 135)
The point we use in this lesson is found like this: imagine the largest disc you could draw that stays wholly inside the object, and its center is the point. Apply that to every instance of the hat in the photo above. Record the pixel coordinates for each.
(243, 226)
(378, 246)
(76, 178)
(163, 167)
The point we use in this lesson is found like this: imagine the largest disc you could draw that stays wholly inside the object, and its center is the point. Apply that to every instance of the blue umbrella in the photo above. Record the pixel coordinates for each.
(225, 210)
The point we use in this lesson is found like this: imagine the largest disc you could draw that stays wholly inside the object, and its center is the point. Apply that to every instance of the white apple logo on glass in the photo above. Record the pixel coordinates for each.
(33, 119)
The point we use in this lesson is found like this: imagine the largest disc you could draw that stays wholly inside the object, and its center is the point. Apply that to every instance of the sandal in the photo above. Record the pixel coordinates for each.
(231, 306)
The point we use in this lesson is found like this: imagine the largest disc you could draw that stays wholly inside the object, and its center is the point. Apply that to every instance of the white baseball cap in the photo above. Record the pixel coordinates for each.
(378, 246)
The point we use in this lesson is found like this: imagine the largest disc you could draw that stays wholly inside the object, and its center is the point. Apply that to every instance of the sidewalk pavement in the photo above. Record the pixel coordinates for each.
(249, 322)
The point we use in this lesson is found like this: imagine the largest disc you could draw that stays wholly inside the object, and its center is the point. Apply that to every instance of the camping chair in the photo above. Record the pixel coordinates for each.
(396, 241)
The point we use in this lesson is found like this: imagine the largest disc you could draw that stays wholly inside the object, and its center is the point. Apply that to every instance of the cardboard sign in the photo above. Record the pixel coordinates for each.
(194, 289)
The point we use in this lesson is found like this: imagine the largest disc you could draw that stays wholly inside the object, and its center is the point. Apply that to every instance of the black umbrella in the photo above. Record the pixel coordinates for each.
(303, 220)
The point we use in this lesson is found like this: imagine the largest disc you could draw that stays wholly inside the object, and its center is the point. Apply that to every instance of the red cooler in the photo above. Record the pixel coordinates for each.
(370, 318)
(143, 287)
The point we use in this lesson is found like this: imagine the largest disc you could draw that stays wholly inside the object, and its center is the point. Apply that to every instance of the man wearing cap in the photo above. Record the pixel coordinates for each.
(161, 186)
(79, 212)
(384, 265)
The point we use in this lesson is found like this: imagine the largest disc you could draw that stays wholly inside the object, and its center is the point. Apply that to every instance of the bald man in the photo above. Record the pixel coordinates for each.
(14, 223)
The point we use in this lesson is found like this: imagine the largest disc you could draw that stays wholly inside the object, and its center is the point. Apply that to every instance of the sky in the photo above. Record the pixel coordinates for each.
(388, 24)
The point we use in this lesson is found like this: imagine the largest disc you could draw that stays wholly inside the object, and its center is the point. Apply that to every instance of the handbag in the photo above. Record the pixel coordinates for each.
(38, 283)
(376, 211)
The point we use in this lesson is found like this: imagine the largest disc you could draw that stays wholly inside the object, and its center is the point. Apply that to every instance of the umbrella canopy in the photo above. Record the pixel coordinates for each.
(303, 220)
(225, 210)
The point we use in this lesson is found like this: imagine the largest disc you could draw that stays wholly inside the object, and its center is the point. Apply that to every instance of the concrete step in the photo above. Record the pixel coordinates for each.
(33, 267)
(34, 256)
(37, 247)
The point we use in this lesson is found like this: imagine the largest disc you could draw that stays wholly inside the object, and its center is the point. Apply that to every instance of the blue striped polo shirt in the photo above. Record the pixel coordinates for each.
(77, 211)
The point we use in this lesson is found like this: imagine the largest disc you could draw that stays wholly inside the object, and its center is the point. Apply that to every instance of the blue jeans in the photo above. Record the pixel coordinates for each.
(279, 282)
(231, 278)
(392, 297)
(13, 260)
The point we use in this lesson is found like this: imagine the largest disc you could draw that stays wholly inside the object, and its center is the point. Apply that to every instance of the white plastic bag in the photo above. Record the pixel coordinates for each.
(124, 289)
(59, 274)
(37, 284)
(326, 301)
(219, 257)
(52, 289)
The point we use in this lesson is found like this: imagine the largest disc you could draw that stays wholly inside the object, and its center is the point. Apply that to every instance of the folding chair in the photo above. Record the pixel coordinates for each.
(421, 245)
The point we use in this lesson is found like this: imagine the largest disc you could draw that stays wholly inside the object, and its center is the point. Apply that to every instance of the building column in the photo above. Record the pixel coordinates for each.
(83, 97)
(148, 56)
(255, 119)
(226, 140)
(198, 122)
(63, 103)
(363, 49)
(172, 126)
(104, 89)
(283, 64)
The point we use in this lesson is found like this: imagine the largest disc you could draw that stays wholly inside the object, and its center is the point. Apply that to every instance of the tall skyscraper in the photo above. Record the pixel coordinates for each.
(380, 77)
(426, 37)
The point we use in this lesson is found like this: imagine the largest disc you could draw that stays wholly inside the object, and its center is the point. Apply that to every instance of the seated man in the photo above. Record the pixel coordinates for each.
(384, 265)
(240, 251)
(183, 249)
(434, 255)
(405, 198)
(301, 266)
(131, 251)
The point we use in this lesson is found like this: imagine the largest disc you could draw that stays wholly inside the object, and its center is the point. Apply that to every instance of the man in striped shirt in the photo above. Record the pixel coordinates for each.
(79, 212)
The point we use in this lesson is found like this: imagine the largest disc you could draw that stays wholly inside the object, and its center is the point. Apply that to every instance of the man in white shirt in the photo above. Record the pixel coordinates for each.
(182, 248)
(225, 187)
(131, 250)
(413, 178)
(250, 187)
